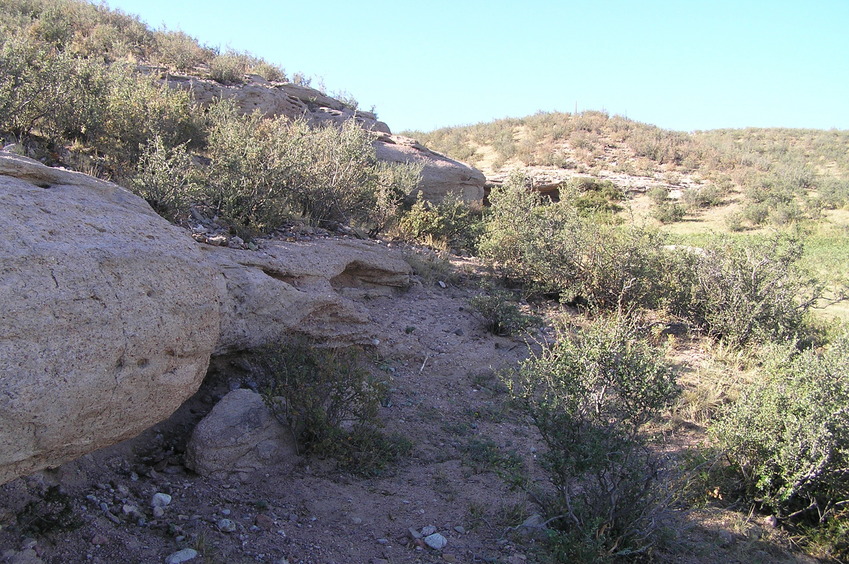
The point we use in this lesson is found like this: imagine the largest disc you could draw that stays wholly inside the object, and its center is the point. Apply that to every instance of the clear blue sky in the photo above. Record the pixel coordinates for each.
(678, 64)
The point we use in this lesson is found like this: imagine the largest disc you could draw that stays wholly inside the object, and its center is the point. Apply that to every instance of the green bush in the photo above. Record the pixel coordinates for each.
(264, 170)
(180, 50)
(331, 403)
(451, 224)
(590, 394)
(500, 314)
(552, 249)
(749, 291)
(669, 212)
(229, 68)
(165, 178)
(788, 434)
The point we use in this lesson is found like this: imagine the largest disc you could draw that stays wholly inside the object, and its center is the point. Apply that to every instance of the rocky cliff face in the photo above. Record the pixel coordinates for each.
(440, 175)
(109, 315)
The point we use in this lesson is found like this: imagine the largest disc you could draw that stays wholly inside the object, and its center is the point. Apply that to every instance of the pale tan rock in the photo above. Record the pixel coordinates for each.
(309, 288)
(238, 437)
(440, 176)
(108, 316)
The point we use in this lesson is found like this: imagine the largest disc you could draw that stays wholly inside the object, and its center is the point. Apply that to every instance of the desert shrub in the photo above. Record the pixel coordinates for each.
(756, 213)
(264, 170)
(834, 193)
(592, 197)
(330, 402)
(180, 50)
(702, 197)
(658, 194)
(139, 108)
(451, 223)
(552, 249)
(500, 314)
(750, 290)
(269, 71)
(34, 83)
(590, 395)
(669, 212)
(228, 68)
(788, 434)
(165, 178)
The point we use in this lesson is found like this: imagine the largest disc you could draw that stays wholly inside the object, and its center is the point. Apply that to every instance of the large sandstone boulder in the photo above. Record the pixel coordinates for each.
(309, 288)
(108, 316)
(440, 175)
(238, 437)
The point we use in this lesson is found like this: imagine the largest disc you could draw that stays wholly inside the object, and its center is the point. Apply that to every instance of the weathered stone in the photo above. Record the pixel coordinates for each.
(239, 436)
(441, 176)
(308, 288)
(108, 316)
(181, 556)
(436, 541)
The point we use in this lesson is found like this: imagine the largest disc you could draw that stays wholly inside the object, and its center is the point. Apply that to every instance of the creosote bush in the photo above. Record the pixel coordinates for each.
(501, 315)
(590, 394)
(788, 434)
(330, 402)
(450, 224)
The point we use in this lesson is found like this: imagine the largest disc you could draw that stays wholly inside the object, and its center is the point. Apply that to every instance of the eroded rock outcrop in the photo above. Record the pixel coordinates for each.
(108, 315)
(440, 175)
(307, 288)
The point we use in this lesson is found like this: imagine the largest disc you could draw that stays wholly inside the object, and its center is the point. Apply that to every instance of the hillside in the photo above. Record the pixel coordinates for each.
(241, 321)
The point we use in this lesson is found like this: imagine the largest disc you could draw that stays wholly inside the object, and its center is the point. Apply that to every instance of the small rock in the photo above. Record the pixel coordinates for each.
(264, 521)
(225, 512)
(383, 541)
(356, 520)
(436, 541)
(460, 530)
(226, 526)
(429, 530)
(442, 284)
(450, 558)
(771, 521)
(160, 500)
(236, 242)
(99, 540)
(158, 512)
(217, 240)
(414, 534)
(123, 490)
(182, 556)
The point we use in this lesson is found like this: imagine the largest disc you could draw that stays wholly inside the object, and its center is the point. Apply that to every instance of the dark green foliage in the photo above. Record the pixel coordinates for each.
(53, 513)
(788, 434)
(452, 223)
(500, 314)
(589, 395)
(331, 403)
(749, 291)
(551, 248)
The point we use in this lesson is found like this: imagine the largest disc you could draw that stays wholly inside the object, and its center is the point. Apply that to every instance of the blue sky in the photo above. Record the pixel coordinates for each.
(678, 64)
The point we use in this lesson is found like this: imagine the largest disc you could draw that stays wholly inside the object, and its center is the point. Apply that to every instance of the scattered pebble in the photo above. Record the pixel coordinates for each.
(182, 556)
(226, 526)
(160, 499)
(429, 530)
(436, 541)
